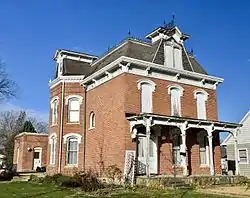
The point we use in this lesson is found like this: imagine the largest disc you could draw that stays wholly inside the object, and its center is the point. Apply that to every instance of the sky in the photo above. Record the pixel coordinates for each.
(31, 31)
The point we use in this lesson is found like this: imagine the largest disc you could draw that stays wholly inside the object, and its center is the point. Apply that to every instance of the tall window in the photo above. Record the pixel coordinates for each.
(175, 92)
(201, 98)
(52, 149)
(243, 156)
(54, 108)
(147, 87)
(74, 110)
(72, 151)
(203, 144)
(176, 142)
(92, 120)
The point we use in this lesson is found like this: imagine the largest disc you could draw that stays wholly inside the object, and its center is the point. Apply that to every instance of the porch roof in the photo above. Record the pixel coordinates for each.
(190, 122)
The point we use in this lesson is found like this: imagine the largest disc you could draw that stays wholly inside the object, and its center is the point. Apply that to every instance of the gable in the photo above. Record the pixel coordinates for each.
(244, 132)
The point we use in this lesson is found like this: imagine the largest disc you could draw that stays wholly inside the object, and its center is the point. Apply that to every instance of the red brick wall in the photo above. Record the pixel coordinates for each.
(25, 162)
(106, 144)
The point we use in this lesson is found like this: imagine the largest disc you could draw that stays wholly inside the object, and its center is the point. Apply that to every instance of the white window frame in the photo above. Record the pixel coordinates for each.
(66, 139)
(246, 155)
(180, 90)
(67, 101)
(52, 140)
(54, 103)
(205, 95)
(153, 85)
(92, 120)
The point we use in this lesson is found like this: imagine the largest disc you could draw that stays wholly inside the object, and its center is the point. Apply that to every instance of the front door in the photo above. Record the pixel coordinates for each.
(153, 159)
(37, 158)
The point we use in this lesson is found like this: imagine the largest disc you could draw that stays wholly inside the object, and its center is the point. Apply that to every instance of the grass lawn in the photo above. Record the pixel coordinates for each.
(29, 190)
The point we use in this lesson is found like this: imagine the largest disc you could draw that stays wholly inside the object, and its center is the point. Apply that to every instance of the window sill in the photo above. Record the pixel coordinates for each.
(53, 125)
(243, 163)
(204, 166)
(91, 128)
(73, 123)
(71, 166)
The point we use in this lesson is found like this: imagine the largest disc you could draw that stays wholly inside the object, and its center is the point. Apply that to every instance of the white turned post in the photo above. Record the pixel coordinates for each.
(148, 125)
(236, 157)
(211, 152)
(183, 149)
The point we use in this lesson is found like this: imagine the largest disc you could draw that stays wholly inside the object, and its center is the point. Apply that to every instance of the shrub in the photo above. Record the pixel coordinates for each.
(6, 175)
(90, 181)
(113, 172)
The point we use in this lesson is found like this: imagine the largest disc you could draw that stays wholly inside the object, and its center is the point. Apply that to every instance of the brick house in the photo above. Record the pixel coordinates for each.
(151, 98)
(30, 151)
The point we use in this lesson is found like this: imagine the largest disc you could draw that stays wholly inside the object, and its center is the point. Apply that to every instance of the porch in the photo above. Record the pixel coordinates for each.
(168, 145)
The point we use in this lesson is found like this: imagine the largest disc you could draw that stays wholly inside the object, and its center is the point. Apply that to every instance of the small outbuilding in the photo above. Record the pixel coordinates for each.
(30, 151)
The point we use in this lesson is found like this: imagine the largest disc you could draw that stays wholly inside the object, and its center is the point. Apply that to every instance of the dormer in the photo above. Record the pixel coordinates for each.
(173, 40)
(73, 60)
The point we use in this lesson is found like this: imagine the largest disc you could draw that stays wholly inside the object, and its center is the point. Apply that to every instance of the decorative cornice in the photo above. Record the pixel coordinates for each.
(70, 79)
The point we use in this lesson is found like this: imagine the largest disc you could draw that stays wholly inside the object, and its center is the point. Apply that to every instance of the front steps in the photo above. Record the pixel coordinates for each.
(26, 176)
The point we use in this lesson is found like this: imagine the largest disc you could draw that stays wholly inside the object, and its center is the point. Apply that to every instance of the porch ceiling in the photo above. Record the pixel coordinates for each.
(190, 122)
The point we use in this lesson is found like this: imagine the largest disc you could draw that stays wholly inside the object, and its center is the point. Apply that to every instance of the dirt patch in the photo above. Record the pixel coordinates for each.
(234, 191)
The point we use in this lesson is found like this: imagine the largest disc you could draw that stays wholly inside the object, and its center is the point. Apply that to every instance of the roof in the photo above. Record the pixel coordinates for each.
(31, 134)
(132, 48)
(230, 135)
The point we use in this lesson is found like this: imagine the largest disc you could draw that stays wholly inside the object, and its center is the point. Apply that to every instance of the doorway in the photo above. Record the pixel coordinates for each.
(153, 156)
(37, 162)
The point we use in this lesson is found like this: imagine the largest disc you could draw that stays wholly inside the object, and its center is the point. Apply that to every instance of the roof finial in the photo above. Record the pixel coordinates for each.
(129, 33)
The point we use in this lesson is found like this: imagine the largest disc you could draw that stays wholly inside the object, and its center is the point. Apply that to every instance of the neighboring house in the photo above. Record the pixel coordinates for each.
(243, 141)
(30, 151)
(150, 100)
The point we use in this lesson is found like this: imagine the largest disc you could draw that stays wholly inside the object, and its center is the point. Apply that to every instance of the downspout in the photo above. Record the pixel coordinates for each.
(61, 131)
(84, 128)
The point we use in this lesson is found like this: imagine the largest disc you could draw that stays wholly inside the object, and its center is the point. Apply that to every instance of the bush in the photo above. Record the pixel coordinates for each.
(6, 175)
(113, 172)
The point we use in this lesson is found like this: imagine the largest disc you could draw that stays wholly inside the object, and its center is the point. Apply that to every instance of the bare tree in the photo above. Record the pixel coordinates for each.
(8, 87)
(40, 126)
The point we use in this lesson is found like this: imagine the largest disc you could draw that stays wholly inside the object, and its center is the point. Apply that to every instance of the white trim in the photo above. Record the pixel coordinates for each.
(175, 86)
(67, 98)
(75, 135)
(30, 133)
(246, 155)
(146, 81)
(185, 77)
(68, 79)
(54, 99)
(203, 133)
(51, 136)
(91, 116)
(67, 142)
(201, 91)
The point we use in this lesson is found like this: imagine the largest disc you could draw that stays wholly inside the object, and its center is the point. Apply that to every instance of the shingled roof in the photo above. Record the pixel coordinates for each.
(132, 48)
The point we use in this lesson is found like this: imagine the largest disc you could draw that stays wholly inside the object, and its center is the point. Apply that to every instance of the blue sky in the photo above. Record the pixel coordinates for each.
(31, 31)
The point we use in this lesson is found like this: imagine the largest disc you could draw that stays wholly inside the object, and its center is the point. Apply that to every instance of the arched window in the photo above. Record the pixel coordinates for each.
(54, 110)
(72, 141)
(175, 92)
(204, 151)
(92, 120)
(52, 142)
(201, 98)
(74, 103)
(147, 87)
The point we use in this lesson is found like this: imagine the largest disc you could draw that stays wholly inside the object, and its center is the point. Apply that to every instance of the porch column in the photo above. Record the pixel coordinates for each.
(236, 156)
(148, 126)
(211, 153)
(183, 149)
